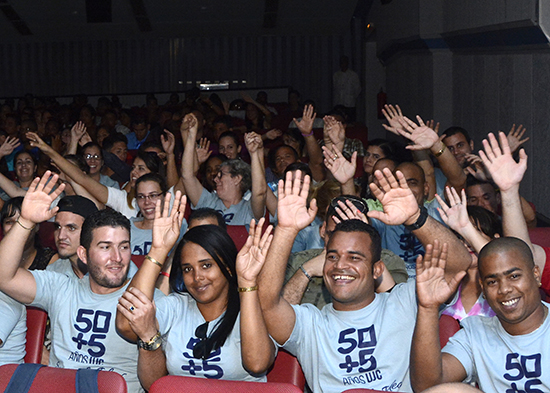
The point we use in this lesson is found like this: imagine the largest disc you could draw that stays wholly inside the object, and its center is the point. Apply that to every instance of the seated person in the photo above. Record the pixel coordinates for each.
(13, 328)
(361, 338)
(503, 354)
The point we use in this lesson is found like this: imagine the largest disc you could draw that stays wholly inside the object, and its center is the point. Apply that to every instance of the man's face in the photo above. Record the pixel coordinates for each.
(108, 258)
(483, 195)
(283, 158)
(415, 180)
(348, 271)
(458, 145)
(510, 286)
(120, 150)
(67, 234)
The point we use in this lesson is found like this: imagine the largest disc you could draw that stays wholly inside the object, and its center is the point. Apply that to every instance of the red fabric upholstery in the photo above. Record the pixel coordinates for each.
(62, 380)
(540, 236)
(448, 326)
(238, 234)
(46, 235)
(286, 369)
(138, 260)
(36, 327)
(179, 384)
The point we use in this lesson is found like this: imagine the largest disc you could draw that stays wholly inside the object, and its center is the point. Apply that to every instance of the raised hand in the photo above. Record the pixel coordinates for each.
(422, 136)
(342, 169)
(394, 116)
(253, 142)
(168, 141)
(292, 210)
(305, 124)
(334, 131)
(431, 287)
(203, 150)
(77, 131)
(86, 138)
(251, 258)
(38, 199)
(456, 216)
(505, 171)
(273, 134)
(476, 167)
(348, 211)
(167, 224)
(36, 141)
(399, 203)
(514, 137)
(140, 312)
(8, 146)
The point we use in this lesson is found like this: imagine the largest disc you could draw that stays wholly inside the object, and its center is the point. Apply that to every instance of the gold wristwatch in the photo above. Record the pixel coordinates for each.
(152, 344)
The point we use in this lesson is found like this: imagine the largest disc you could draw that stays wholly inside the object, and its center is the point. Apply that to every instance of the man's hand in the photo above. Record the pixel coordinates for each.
(8, 146)
(394, 116)
(292, 210)
(167, 224)
(505, 171)
(476, 168)
(431, 287)
(253, 142)
(251, 258)
(273, 134)
(36, 204)
(400, 205)
(514, 137)
(342, 169)
(203, 150)
(422, 136)
(305, 125)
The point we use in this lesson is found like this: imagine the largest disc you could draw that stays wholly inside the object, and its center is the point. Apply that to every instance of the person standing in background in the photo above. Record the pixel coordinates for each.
(346, 88)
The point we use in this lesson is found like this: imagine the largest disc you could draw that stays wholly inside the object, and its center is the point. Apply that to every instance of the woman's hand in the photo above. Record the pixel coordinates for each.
(167, 224)
(251, 258)
(168, 141)
(8, 146)
(136, 307)
(38, 199)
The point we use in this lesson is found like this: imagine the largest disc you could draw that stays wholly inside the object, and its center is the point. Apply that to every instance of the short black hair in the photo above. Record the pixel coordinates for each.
(207, 212)
(503, 244)
(349, 226)
(298, 166)
(102, 218)
(485, 221)
(110, 141)
(230, 134)
(457, 130)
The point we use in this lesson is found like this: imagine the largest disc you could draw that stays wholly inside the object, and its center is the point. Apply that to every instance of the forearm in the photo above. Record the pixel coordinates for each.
(10, 188)
(172, 176)
(257, 349)
(450, 167)
(458, 256)
(528, 213)
(151, 366)
(190, 181)
(294, 289)
(348, 188)
(315, 155)
(72, 147)
(426, 363)
(513, 221)
(259, 185)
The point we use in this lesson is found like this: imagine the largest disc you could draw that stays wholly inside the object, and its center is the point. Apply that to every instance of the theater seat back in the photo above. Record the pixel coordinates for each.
(179, 384)
(36, 327)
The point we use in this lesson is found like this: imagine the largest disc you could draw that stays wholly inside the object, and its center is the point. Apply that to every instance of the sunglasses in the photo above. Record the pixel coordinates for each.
(199, 350)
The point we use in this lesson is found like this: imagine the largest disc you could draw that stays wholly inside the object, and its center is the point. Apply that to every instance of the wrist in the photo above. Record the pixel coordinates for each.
(244, 283)
(414, 218)
(25, 222)
(438, 148)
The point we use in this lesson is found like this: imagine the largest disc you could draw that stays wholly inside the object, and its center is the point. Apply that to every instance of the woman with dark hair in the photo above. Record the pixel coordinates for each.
(93, 156)
(377, 149)
(212, 318)
(124, 200)
(35, 257)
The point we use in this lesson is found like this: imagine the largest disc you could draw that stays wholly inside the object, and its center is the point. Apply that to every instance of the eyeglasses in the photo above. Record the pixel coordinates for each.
(199, 350)
(221, 173)
(92, 157)
(151, 197)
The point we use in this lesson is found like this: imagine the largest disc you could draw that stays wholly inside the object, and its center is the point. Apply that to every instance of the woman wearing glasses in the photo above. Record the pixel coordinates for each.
(91, 153)
(124, 200)
(211, 325)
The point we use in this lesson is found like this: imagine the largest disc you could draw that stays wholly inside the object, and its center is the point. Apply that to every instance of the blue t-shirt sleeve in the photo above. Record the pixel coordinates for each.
(48, 285)
(459, 346)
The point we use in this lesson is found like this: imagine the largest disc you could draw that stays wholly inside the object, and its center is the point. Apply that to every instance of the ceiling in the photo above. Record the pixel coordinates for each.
(66, 20)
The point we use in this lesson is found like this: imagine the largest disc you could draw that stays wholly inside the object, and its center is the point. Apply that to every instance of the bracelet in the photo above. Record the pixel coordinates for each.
(248, 289)
(306, 273)
(154, 261)
(440, 152)
(310, 134)
(164, 274)
(23, 226)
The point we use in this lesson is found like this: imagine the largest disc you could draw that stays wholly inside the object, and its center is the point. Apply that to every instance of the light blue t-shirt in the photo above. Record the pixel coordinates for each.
(142, 239)
(500, 362)
(367, 348)
(239, 214)
(13, 329)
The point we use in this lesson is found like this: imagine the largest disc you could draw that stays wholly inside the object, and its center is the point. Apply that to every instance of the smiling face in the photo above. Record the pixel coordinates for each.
(147, 195)
(212, 169)
(24, 167)
(202, 276)
(93, 158)
(510, 285)
(138, 169)
(458, 145)
(348, 271)
(108, 258)
(229, 148)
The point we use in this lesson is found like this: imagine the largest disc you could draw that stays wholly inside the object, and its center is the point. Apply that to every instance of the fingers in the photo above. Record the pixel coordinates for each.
(166, 208)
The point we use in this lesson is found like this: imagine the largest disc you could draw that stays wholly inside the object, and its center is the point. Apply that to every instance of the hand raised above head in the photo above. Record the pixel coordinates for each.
(455, 215)
(168, 141)
(342, 169)
(400, 205)
(167, 223)
(292, 210)
(251, 257)
(36, 206)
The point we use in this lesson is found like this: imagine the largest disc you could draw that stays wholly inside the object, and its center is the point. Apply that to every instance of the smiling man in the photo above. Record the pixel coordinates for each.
(362, 339)
(508, 353)
(82, 312)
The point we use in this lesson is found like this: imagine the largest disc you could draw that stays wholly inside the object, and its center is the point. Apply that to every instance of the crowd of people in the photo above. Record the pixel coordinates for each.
(355, 247)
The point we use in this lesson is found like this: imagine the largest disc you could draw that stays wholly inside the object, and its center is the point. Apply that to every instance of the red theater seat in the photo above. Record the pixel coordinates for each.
(36, 327)
(179, 384)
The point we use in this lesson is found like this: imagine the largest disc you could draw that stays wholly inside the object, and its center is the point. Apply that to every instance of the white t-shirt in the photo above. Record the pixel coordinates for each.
(83, 326)
(13, 329)
(500, 362)
(367, 348)
(178, 317)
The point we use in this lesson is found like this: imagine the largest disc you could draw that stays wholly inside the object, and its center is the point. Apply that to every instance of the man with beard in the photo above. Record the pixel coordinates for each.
(82, 312)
